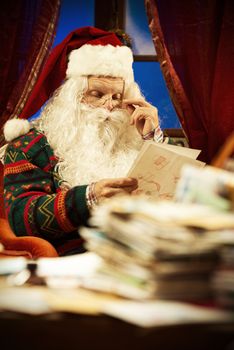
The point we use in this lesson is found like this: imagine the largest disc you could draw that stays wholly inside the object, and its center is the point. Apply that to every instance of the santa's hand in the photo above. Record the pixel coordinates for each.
(143, 115)
(110, 187)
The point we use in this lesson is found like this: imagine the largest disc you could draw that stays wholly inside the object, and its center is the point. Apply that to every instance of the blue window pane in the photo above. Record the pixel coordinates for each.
(150, 79)
(136, 26)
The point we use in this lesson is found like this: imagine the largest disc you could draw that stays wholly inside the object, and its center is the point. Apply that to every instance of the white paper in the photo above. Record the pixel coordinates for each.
(79, 265)
(158, 169)
(23, 299)
(160, 313)
(12, 265)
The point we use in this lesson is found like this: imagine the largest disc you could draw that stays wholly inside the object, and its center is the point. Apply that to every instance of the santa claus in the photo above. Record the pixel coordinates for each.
(78, 152)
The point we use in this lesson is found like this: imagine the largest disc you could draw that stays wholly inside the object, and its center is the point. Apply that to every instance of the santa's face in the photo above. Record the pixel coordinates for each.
(106, 92)
(92, 138)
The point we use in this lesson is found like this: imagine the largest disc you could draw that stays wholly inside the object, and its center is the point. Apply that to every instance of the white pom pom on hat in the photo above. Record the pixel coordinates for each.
(14, 128)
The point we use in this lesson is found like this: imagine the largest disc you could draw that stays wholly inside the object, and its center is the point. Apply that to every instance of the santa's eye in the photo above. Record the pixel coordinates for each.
(95, 93)
(117, 96)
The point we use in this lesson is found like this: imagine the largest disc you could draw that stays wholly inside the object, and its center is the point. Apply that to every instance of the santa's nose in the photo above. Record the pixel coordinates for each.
(108, 103)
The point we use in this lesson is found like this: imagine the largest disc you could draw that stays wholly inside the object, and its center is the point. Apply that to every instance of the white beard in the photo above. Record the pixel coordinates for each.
(104, 145)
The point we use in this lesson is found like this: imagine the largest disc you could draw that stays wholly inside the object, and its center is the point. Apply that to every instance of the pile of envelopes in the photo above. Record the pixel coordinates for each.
(163, 249)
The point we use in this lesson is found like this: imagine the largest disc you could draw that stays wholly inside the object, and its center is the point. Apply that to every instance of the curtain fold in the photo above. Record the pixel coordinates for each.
(194, 41)
(27, 33)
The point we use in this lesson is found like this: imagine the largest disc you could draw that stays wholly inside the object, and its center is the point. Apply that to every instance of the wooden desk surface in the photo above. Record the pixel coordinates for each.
(70, 331)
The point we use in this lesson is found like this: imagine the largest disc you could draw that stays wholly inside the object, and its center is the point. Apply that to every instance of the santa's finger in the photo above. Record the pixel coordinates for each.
(138, 113)
(111, 191)
(121, 182)
(136, 103)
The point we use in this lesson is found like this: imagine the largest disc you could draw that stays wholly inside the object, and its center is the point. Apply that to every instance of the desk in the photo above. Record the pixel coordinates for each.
(62, 331)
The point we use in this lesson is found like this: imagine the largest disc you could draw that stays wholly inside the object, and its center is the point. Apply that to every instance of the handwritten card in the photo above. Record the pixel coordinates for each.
(158, 168)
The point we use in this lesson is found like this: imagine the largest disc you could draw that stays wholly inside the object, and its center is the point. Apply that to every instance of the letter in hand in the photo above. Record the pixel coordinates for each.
(107, 188)
(143, 115)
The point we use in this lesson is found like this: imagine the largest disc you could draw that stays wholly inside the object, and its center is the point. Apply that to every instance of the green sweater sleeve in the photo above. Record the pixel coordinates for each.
(34, 203)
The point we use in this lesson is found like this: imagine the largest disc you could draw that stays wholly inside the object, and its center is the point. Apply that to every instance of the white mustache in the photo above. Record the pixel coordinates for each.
(98, 115)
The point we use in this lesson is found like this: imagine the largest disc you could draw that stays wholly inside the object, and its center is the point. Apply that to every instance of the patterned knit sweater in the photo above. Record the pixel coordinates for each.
(34, 202)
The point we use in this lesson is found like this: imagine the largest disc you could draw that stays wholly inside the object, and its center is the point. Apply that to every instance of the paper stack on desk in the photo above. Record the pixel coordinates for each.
(210, 186)
(214, 187)
(166, 249)
(156, 249)
(223, 278)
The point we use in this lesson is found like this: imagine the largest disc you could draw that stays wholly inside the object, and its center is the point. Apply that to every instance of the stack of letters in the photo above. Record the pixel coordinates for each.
(165, 249)
(209, 186)
(156, 249)
(223, 278)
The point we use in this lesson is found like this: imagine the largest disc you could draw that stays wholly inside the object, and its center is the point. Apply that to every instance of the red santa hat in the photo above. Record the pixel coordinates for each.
(85, 51)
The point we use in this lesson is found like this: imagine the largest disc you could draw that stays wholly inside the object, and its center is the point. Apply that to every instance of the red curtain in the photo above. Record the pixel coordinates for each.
(194, 41)
(26, 34)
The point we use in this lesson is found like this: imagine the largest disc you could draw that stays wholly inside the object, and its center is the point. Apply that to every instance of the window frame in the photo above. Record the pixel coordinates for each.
(111, 15)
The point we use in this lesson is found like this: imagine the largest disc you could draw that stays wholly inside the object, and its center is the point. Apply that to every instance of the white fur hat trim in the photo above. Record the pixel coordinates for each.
(108, 60)
(14, 128)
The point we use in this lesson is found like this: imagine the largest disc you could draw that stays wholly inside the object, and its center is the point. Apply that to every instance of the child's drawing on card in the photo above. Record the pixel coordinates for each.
(160, 162)
(147, 185)
(176, 178)
(166, 196)
(158, 169)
